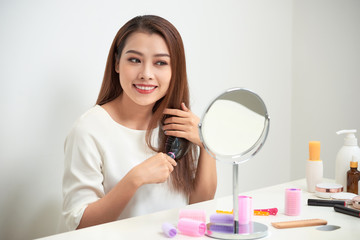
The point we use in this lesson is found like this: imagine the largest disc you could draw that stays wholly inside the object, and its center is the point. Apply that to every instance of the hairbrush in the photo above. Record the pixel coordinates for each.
(176, 147)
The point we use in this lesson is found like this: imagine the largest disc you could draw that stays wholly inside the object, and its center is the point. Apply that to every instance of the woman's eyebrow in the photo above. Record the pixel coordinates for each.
(141, 54)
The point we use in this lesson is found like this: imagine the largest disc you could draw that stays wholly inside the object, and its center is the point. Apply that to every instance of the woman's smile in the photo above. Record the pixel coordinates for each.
(144, 89)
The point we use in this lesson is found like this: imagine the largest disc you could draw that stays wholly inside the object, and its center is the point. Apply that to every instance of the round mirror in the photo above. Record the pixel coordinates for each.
(233, 129)
(234, 126)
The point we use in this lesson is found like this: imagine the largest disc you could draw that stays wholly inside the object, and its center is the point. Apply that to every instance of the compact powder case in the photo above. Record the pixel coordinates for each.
(356, 202)
(325, 190)
(344, 196)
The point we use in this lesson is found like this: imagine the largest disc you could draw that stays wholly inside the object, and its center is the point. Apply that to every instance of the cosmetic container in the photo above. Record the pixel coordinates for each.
(356, 202)
(314, 166)
(325, 190)
(344, 196)
(353, 176)
(344, 156)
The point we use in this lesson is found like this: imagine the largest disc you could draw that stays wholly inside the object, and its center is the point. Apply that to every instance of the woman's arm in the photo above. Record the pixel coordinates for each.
(185, 124)
(153, 170)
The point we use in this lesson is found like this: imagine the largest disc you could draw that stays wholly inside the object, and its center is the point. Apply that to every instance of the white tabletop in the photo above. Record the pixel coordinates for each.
(149, 226)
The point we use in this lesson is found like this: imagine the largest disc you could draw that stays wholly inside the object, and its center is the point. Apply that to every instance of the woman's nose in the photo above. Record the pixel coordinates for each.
(146, 72)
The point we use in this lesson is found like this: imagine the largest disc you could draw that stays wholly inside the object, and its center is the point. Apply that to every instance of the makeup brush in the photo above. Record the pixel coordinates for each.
(176, 147)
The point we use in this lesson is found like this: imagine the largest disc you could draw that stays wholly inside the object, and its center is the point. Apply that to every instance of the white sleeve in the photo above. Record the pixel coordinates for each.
(83, 177)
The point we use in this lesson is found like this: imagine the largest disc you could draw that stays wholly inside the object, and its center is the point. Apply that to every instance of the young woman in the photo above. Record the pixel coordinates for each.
(115, 161)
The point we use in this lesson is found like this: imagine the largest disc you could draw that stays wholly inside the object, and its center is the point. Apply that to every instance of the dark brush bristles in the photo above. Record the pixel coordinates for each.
(168, 143)
(177, 146)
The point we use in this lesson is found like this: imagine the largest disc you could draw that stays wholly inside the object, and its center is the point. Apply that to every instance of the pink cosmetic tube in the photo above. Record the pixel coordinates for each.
(245, 209)
(191, 227)
(195, 214)
(292, 201)
(219, 218)
(169, 230)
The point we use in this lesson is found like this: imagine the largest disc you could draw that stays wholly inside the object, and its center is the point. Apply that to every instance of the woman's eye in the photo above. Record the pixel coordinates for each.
(134, 60)
(161, 63)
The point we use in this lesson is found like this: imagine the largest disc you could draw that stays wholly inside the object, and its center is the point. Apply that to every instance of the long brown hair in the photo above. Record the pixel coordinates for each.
(182, 178)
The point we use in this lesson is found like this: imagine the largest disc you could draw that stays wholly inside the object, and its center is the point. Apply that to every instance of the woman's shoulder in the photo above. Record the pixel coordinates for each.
(90, 121)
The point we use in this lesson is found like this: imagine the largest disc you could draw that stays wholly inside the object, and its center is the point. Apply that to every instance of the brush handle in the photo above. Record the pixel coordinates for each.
(299, 223)
(171, 154)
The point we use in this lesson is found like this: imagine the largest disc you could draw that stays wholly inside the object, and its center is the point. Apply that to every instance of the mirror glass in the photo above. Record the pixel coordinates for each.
(234, 126)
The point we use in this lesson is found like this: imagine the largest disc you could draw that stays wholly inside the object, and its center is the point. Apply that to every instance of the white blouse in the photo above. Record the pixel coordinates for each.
(99, 152)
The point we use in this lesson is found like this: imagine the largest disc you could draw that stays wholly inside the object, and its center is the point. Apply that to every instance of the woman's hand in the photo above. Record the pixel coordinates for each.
(156, 169)
(182, 123)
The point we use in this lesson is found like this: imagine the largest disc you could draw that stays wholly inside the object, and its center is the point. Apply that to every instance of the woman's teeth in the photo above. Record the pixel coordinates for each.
(145, 87)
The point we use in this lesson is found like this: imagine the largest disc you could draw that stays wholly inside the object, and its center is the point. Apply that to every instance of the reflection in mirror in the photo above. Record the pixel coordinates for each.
(234, 125)
(240, 128)
(233, 129)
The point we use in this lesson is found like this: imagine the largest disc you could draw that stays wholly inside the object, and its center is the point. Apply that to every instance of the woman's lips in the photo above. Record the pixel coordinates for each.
(144, 89)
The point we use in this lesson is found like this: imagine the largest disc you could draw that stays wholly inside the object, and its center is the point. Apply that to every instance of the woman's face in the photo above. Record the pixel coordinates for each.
(144, 68)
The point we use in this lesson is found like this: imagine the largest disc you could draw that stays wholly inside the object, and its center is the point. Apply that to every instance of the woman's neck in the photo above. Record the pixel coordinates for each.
(128, 113)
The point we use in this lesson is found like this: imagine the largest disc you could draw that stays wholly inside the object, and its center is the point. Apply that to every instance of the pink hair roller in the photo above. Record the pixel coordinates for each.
(292, 201)
(195, 214)
(191, 227)
(169, 230)
(245, 209)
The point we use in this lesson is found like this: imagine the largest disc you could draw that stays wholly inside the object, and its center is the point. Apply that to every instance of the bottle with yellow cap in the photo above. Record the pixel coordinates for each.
(353, 176)
(314, 166)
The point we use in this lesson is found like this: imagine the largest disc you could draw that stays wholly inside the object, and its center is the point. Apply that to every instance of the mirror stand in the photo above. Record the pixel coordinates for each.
(253, 230)
(233, 129)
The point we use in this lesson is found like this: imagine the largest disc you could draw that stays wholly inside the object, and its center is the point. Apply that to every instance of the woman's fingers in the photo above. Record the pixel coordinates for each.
(183, 123)
(175, 112)
(183, 106)
(156, 169)
(171, 160)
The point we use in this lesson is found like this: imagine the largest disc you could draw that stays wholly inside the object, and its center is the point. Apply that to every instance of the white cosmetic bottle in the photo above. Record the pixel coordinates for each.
(345, 155)
(314, 166)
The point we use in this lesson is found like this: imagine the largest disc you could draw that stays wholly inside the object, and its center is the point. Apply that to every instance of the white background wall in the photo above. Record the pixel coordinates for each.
(326, 78)
(52, 58)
